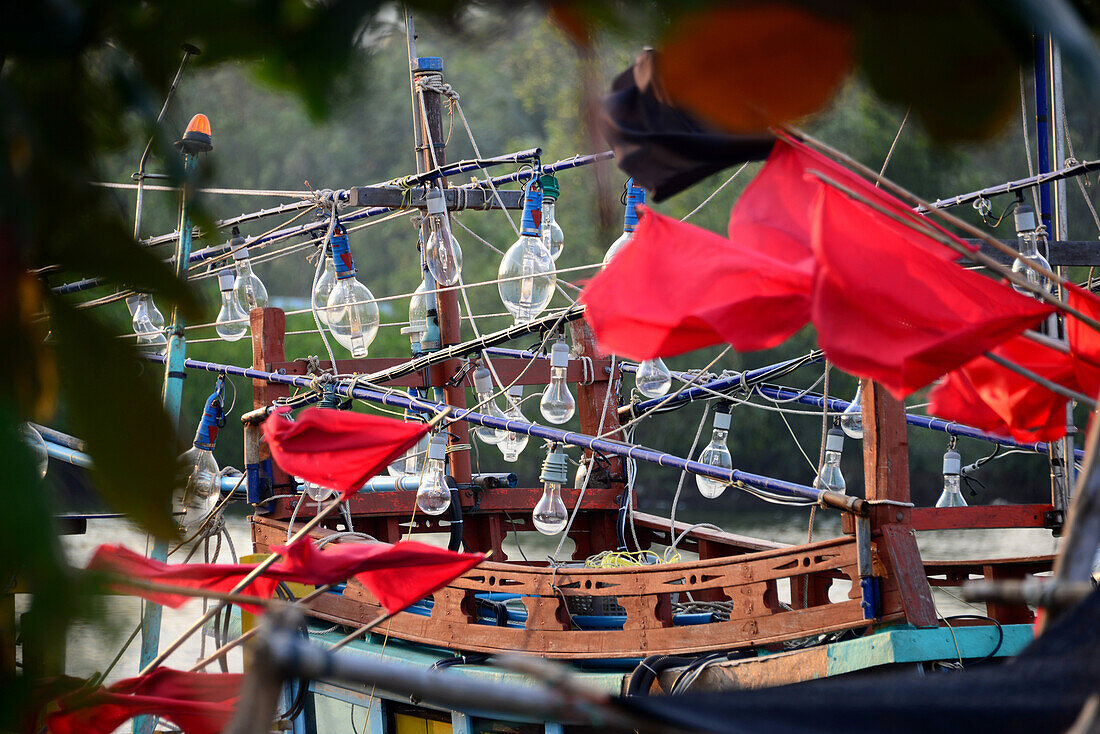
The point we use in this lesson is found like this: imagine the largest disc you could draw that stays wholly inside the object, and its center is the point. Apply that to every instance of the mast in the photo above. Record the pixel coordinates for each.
(431, 152)
(1050, 136)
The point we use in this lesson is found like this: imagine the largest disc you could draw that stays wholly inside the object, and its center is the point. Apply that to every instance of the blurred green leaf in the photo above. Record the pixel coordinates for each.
(119, 415)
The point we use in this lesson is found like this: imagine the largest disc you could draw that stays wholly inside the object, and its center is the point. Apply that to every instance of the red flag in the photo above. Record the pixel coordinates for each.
(678, 287)
(1084, 341)
(993, 398)
(775, 213)
(887, 309)
(338, 449)
(198, 703)
(398, 575)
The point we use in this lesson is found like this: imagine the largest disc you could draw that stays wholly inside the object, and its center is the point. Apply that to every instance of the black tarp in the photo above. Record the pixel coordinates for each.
(661, 146)
(1041, 690)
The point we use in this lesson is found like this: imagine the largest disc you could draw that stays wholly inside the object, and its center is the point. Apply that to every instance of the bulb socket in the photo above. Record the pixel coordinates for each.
(952, 463)
(554, 467)
(550, 187)
(722, 421)
(436, 203)
(226, 277)
(559, 354)
(483, 381)
(834, 440)
(240, 252)
(515, 392)
(1024, 217)
(437, 447)
(532, 213)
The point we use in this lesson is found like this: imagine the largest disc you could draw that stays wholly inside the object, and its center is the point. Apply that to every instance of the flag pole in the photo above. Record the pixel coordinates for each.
(261, 567)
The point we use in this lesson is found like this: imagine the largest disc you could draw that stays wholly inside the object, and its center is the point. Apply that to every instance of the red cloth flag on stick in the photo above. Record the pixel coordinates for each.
(993, 398)
(198, 703)
(677, 287)
(398, 575)
(775, 213)
(338, 449)
(1084, 341)
(887, 308)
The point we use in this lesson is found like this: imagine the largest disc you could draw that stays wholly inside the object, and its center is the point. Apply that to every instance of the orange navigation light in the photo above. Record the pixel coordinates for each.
(197, 139)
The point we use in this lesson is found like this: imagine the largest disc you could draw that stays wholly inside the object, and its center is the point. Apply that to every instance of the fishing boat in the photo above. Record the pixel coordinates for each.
(744, 613)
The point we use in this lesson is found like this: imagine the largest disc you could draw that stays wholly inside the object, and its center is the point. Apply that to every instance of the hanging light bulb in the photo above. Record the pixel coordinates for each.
(148, 323)
(526, 273)
(232, 322)
(550, 515)
(553, 239)
(1029, 237)
(653, 378)
(635, 195)
(199, 486)
(514, 443)
(952, 491)
(250, 289)
(830, 477)
(557, 404)
(418, 318)
(352, 312)
(716, 454)
(315, 492)
(321, 290)
(34, 441)
(441, 250)
(483, 386)
(434, 496)
(851, 420)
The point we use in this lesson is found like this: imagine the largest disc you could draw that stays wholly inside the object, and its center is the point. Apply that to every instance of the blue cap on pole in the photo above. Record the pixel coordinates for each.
(532, 212)
(635, 195)
(213, 418)
(341, 253)
(429, 63)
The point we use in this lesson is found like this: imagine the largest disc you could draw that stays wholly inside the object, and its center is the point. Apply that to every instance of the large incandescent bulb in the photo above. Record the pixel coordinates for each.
(1028, 240)
(199, 487)
(352, 312)
(830, 477)
(550, 231)
(635, 195)
(148, 323)
(526, 275)
(232, 322)
(434, 496)
(483, 386)
(716, 454)
(550, 515)
(851, 420)
(250, 289)
(557, 404)
(952, 491)
(514, 443)
(653, 378)
(441, 250)
(323, 287)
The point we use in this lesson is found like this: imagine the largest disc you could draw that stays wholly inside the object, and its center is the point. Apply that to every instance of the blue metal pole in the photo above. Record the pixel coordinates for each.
(1042, 94)
(174, 359)
(640, 453)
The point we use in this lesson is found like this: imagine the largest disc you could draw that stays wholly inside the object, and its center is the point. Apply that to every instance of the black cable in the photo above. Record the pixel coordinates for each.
(455, 543)
(642, 677)
(473, 658)
(1000, 633)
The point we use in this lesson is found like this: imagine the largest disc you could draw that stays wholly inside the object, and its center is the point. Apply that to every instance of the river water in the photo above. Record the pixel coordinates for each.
(92, 646)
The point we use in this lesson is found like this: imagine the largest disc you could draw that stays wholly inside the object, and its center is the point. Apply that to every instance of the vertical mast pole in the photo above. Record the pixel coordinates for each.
(430, 136)
(173, 381)
(1051, 149)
